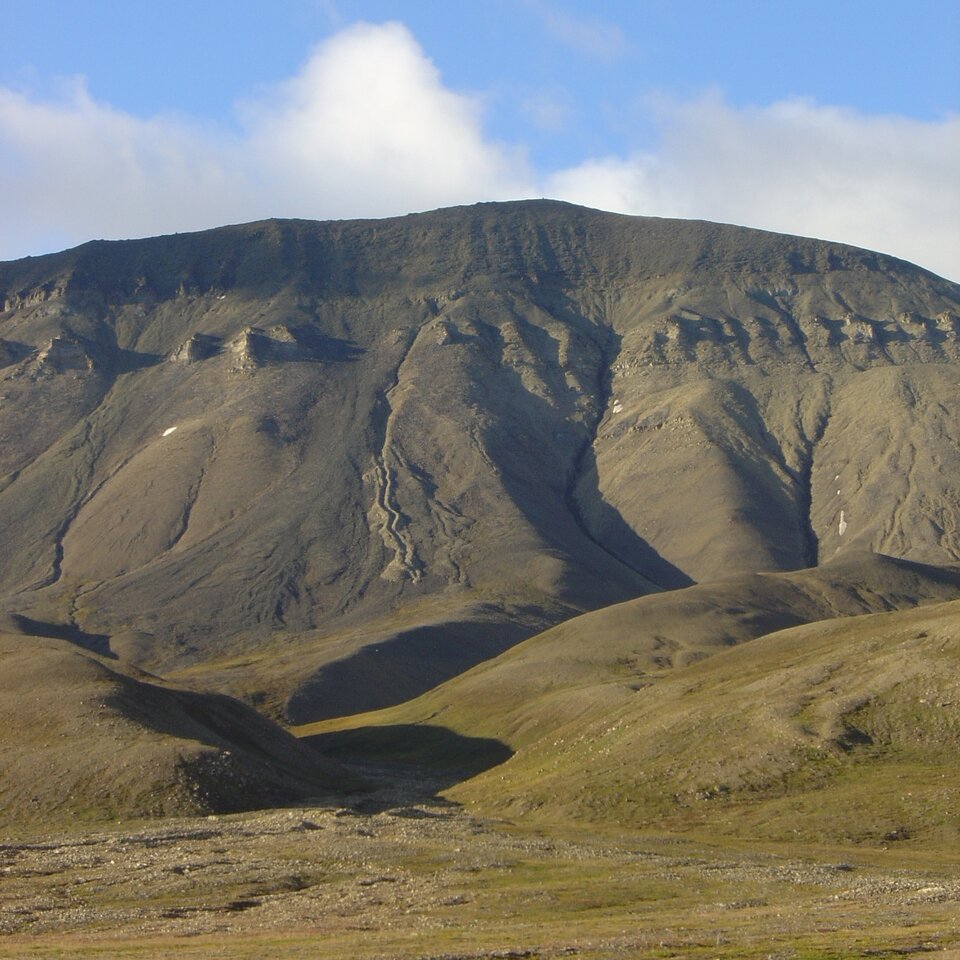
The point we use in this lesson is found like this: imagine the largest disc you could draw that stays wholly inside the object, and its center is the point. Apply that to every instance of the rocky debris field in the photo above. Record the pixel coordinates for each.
(408, 876)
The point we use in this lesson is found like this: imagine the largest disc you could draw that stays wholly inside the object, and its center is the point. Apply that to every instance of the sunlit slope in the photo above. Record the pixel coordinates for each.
(844, 731)
(571, 670)
(696, 707)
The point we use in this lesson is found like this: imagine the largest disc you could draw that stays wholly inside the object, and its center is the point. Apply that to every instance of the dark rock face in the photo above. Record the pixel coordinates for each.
(8, 353)
(287, 442)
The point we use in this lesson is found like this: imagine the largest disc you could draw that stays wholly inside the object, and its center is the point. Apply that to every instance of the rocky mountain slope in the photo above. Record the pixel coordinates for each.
(330, 465)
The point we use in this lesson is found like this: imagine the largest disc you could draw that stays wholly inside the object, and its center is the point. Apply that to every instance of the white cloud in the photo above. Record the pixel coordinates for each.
(74, 168)
(546, 110)
(367, 128)
(887, 183)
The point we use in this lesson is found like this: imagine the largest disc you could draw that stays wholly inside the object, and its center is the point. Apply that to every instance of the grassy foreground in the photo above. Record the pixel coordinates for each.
(426, 880)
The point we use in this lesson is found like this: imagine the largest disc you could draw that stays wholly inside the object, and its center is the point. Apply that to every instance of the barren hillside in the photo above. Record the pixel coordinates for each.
(329, 465)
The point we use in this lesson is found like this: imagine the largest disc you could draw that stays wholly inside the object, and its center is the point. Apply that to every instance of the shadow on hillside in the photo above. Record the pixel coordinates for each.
(610, 531)
(321, 347)
(95, 642)
(411, 762)
(127, 361)
(401, 667)
(13, 351)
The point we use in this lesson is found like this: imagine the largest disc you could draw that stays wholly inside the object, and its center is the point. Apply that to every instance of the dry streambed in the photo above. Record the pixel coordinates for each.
(426, 879)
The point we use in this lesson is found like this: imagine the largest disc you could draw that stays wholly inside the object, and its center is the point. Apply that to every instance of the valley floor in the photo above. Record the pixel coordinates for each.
(406, 875)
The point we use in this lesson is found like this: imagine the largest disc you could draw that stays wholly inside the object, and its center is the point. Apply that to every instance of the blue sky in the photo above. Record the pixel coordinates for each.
(841, 120)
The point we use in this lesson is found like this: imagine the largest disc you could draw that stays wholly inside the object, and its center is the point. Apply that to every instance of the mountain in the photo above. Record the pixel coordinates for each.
(327, 466)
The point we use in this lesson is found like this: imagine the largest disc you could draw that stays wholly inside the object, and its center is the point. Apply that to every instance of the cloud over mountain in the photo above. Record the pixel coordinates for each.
(887, 183)
(368, 128)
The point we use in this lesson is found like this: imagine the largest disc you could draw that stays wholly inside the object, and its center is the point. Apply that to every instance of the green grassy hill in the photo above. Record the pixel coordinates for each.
(81, 738)
(693, 711)
(834, 732)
